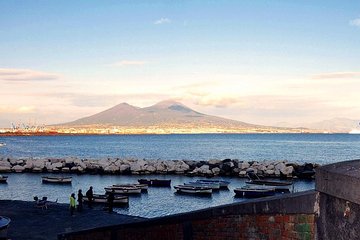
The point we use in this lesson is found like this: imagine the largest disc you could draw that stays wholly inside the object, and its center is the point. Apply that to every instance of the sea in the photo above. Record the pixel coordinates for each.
(299, 148)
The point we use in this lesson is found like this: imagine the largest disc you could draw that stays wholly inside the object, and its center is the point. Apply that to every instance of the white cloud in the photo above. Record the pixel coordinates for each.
(336, 75)
(11, 74)
(355, 22)
(128, 63)
(162, 21)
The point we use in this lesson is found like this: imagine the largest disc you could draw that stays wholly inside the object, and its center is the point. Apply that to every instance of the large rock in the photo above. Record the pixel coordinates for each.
(215, 171)
(244, 165)
(124, 168)
(287, 170)
(214, 162)
(5, 163)
(5, 169)
(39, 163)
(58, 165)
(280, 166)
(138, 166)
(111, 169)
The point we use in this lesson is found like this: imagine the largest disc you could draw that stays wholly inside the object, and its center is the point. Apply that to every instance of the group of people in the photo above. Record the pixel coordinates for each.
(90, 196)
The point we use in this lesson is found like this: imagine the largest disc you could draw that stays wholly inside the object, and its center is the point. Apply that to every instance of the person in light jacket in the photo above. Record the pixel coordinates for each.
(72, 204)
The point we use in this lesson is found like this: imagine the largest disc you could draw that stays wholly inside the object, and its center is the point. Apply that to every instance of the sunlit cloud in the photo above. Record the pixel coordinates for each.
(23, 75)
(336, 75)
(18, 109)
(355, 22)
(128, 63)
(162, 21)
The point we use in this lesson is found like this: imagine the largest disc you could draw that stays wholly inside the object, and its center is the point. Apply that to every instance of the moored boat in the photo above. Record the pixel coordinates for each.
(144, 187)
(62, 180)
(123, 190)
(213, 186)
(156, 182)
(253, 192)
(222, 183)
(100, 198)
(188, 189)
(2, 144)
(3, 179)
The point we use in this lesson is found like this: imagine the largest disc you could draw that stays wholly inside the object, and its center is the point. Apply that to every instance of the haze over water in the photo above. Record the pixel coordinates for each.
(315, 148)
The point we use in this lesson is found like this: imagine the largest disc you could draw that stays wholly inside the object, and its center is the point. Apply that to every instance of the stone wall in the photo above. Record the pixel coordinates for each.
(286, 217)
(226, 167)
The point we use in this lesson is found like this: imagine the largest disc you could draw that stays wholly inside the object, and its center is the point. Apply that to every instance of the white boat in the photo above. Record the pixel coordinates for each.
(254, 192)
(123, 190)
(213, 186)
(193, 189)
(99, 198)
(2, 144)
(143, 187)
(64, 180)
(222, 183)
(3, 179)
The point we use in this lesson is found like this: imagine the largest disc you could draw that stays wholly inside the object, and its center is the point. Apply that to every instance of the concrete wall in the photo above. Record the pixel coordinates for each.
(339, 201)
(286, 217)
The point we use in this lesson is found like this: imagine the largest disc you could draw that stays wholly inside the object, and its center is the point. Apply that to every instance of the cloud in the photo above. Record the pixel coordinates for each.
(336, 75)
(162, 21)
(24, 75)
(128, 63)
(355, 22)
(19, 109)
(217, 101)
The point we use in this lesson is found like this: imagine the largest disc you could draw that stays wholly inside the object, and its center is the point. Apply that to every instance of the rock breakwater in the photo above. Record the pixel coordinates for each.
(214, 167)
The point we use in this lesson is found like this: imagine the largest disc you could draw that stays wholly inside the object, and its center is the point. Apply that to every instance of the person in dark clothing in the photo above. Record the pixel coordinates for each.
(80, 201)
(110, 200)
(90, 196)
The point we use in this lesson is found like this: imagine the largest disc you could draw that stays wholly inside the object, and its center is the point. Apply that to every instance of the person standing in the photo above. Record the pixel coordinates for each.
(80, 201)
(110, 200)
(90, 196)
(72, 204)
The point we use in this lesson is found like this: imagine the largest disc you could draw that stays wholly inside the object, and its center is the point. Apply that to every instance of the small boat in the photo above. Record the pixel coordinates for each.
(213, 186)
(251, 192)
(223, 184)
(123, 190)
(255, 179)
(193, 189)
(3, 179)
(144, 187)
(63, 180)
(2, 144)
(100, 198)
(156, 182)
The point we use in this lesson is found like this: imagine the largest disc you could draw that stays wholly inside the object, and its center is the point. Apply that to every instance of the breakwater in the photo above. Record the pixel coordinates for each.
(130, 166)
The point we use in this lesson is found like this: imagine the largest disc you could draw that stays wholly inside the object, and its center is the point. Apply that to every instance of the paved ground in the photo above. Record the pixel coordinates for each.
(30, 223)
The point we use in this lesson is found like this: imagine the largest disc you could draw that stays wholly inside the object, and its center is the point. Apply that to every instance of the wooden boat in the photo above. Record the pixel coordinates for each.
(62, 180)
(123, 190)
(254, 179)
(213, 186)
(144, 187)
(188, 189)
(3, 179)
(222, 183)
(250, 192)
(100, 198)
(156, 182)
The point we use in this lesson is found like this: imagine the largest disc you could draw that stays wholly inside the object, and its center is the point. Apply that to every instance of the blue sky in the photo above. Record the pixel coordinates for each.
(257, 61)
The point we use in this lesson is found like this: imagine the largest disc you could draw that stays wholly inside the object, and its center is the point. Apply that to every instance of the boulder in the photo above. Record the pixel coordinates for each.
(214, 162)
(5, 163)
(124, 168)
(287, 170)
(270, 172)
(111, 169)
(242, 174)
(12, 161)
(58, 165)
(39, 163)
(150, 169)
(5, 169)
(280, 166)
(215, 171)
(244, 165)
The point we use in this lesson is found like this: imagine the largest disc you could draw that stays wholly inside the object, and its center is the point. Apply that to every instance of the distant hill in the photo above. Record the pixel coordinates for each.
(335, 125)
(167, 115)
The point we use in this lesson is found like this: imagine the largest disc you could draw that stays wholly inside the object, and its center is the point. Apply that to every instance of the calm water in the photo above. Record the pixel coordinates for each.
(320, 148)
(157, 202)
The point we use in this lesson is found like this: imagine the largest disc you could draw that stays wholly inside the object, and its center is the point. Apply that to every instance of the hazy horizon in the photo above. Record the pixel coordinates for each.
(257, 62)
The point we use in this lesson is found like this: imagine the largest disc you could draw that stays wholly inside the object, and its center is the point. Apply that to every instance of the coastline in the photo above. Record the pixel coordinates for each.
(132, 166)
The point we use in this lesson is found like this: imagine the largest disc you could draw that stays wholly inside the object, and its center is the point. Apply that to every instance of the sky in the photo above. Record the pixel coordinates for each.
(262, 62)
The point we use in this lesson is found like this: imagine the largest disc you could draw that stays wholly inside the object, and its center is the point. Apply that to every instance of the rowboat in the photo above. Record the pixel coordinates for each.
(156, 182)
(222, 183)
(213, 186)
(3, 179)
(100, 198)
(62, 180)
(254, 192)
(193, 189)
(123, 190)
(144, 187)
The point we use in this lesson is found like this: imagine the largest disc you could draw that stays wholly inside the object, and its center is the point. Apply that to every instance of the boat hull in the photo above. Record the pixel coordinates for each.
(57, 180)
(253, 193)
(223, 184)
(3, 179)
(102, 199)
(187, 189)
(123, 190)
